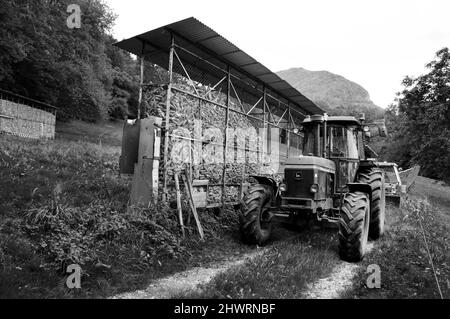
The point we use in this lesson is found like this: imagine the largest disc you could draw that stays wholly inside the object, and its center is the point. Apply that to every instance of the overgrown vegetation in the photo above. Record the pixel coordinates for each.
(402, 254)
(63, 203)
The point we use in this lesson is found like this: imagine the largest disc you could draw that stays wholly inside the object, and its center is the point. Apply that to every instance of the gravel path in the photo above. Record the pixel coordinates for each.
(339, 281)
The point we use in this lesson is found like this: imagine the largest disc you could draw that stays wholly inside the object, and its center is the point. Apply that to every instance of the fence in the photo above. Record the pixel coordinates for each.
(26, 117)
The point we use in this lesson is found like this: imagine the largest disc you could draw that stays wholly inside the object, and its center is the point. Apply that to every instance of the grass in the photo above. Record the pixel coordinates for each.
(108, 133)
(63, 202)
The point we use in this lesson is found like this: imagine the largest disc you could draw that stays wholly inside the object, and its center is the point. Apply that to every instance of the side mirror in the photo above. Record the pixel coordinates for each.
(383, 130)
(366, 130)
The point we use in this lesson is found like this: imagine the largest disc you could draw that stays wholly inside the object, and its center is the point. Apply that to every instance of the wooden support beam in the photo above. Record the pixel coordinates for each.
(289, 133)
(141, 82)
(166, 139)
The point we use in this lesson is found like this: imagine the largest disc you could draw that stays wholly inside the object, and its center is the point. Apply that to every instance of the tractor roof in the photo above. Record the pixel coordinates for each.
(343, 120)
(386, 164)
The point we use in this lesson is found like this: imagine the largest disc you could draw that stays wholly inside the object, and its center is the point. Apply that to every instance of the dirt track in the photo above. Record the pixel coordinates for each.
(187, 281)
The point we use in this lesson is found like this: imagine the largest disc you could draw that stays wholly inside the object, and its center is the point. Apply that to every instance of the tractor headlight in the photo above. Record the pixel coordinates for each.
(314, 188)
(283, 188)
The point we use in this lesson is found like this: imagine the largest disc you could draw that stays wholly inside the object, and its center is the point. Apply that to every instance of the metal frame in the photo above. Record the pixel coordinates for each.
(269, 100)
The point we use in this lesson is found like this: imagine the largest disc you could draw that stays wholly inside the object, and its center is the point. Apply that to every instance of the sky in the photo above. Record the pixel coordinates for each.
(373, 43)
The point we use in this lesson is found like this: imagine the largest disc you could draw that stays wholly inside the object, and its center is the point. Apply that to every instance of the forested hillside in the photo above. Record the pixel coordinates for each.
(77, 70)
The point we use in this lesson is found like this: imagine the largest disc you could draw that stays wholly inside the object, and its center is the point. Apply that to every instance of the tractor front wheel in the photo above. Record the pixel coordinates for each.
(255, 223)
(375, 178)
(354, 226)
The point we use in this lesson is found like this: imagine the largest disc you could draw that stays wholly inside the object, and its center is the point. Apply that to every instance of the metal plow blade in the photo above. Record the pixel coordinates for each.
(408, 177)
(398, 183)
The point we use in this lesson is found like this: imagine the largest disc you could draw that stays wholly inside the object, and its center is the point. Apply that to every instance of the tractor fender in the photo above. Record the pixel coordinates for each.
(267, 181)
(271, 183)
(360, 187)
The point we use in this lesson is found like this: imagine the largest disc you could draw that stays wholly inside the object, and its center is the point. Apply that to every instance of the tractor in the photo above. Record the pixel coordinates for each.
(336, 181)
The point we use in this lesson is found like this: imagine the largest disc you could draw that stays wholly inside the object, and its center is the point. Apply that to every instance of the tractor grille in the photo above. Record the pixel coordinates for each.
(299, 183)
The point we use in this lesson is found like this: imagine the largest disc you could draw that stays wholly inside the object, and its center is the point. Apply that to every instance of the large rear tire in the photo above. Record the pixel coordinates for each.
(354, 226)
(375, 178)
(255, 224)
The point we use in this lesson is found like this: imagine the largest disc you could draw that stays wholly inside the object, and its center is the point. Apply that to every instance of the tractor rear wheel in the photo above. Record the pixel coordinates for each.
(354, 226)
(255, 224)
(375, 178)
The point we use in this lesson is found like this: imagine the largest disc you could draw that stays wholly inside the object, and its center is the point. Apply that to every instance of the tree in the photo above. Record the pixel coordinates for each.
(423, 118)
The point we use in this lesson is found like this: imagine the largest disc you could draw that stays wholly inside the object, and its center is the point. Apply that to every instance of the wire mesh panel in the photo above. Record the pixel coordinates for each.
(223, 129)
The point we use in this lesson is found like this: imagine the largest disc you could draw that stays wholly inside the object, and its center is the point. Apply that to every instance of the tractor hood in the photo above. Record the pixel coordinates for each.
(303, 172)
(311, 162)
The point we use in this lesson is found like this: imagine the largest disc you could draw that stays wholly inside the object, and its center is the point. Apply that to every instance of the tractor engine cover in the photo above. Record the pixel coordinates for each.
(303, 172)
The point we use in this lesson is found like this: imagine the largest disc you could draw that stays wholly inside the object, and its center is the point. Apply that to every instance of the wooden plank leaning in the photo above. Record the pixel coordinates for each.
(188, 185)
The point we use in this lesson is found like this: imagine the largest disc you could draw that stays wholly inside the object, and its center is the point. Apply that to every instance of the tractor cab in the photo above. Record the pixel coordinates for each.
(332, 137)
(338, 141)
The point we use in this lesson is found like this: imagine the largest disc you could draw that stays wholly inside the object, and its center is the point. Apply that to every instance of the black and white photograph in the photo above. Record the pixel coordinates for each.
(231, 158)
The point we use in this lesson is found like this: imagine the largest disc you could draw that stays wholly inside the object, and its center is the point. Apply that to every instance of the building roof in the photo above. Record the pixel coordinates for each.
(216, 53)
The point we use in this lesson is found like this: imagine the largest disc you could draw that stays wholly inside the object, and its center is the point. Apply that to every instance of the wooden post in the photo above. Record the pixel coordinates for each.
(266, 122)
(189, 191)
(141, 83)
(180, 209)
(244, 171)
(166, 139)
(289, 132)
(225, 146)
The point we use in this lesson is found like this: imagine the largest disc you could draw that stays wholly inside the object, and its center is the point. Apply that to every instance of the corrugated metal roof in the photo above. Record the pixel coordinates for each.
(211, 46)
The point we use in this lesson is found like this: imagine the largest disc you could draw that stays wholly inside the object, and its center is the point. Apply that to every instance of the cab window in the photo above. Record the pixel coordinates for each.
(343, 142)
(310, 142)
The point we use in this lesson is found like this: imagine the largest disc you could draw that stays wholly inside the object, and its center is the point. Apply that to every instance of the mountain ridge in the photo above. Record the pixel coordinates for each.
(333, 92)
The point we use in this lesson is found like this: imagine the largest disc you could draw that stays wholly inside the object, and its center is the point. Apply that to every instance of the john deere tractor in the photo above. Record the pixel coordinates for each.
(336, 181)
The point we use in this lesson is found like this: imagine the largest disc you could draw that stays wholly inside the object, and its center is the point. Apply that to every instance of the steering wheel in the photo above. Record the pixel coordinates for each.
(337, 152)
